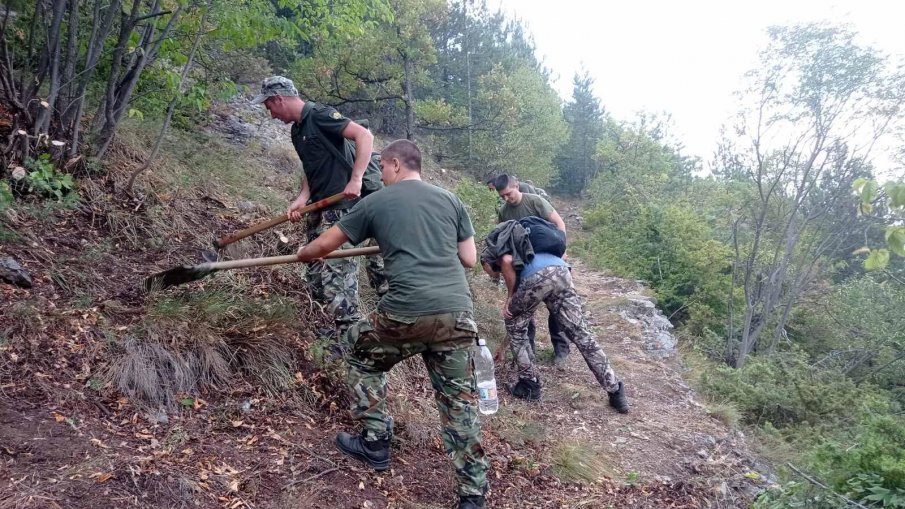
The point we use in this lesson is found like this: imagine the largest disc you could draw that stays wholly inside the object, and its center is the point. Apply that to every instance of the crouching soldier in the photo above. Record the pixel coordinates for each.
(426, 238)
(533, 278)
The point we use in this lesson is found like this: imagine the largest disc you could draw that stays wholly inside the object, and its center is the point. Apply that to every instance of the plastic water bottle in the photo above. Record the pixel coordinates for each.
(483, 370)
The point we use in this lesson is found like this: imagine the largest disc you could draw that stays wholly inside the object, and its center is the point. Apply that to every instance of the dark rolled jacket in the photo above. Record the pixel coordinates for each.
(509, 237)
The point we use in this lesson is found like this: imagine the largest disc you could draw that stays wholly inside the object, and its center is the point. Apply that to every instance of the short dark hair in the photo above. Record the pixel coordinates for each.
(406, 151)
(503, 181)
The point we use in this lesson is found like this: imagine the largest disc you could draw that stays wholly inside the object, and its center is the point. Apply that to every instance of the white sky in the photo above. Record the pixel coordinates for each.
(681, 57)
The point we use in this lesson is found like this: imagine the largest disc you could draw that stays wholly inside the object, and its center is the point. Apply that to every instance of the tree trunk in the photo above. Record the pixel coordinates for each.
(99, 34)
(409, 98)
(172, 105)
(42, 124)
(118, 98)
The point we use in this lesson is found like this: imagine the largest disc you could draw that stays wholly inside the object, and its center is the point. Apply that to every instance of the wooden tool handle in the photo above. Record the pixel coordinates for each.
(276, 260)
(270, 223)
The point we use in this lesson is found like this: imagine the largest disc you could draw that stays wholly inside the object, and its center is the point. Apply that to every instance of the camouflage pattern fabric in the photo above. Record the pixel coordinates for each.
(334, 283)
(444, 342)
(553, 287)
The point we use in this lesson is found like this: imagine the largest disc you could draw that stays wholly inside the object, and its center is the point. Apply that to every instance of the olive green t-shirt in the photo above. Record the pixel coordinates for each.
(531, 205)
(418, 227)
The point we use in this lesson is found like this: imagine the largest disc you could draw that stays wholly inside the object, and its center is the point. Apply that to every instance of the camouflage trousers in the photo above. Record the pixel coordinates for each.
(553, 287)
(444, 342)
(334, 283)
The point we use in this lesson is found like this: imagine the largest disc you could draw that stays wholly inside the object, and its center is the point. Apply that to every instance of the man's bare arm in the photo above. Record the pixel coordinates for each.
(328, 241)
(364, 145)
(468, 253)
(556, 219)
(299, 202)
(510, 277)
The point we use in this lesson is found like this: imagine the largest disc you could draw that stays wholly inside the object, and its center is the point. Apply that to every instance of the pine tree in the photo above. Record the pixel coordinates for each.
(575, 162)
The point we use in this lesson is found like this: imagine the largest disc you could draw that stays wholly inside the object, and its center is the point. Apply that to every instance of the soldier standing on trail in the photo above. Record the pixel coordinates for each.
(333, 283)
(547, 279)
(517, 205)
(426, 238)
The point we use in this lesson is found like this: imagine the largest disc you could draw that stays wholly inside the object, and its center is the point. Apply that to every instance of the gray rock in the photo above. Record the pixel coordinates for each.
(12, 272)
(705, 440)
(658, 341)
(158, 416)
(246, 206)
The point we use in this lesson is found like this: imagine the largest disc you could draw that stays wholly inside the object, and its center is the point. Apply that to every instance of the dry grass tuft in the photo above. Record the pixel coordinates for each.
(152, 374)
(578, 462)
(266, 358)
(725, 412)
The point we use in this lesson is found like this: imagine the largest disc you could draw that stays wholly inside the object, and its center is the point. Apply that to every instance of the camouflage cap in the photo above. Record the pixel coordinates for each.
(275, 85)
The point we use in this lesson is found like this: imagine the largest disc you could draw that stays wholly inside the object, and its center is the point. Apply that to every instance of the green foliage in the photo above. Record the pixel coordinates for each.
(481, 204)
(376, 65)
(856, 328)
(798, 494)
(785, 390)
(670, 247)
(487, 103)
(843, 433)
(875, 447)
(575, 161)
(531, 111)
(44, 180)
(892, 198)
(6, 196)
(868, 488)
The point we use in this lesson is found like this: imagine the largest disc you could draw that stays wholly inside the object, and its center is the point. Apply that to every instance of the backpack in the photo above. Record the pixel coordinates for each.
(544, 236)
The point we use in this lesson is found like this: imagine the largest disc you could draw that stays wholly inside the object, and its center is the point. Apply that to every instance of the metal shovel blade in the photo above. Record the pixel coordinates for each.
(177, 276)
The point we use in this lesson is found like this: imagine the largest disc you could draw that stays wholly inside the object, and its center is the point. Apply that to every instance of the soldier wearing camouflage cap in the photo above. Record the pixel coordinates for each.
(427, 240)
(333, 283)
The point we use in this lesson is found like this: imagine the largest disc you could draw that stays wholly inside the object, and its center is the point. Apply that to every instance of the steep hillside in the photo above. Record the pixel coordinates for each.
(217, 394)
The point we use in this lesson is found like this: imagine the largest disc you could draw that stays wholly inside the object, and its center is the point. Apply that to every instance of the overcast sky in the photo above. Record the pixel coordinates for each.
(682, 57)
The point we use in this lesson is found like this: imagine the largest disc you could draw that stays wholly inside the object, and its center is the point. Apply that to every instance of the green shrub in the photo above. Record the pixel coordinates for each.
(868, 456)
(6, 195)
(481, 205)
(784, 390)
(45, 181)
(671, 248)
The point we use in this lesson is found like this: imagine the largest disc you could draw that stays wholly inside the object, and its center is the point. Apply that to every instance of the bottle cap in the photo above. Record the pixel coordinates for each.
(482, 342)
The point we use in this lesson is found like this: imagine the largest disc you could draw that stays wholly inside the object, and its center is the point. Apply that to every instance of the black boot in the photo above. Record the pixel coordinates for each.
(374, 452)
(618, 400)
(471, 502)
(526, 389)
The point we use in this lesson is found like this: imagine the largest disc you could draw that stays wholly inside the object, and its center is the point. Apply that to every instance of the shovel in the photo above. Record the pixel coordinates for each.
(210, 256)
(188, 273)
